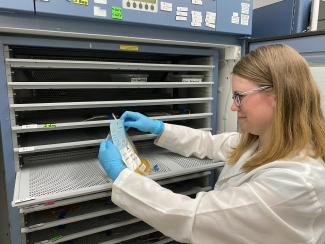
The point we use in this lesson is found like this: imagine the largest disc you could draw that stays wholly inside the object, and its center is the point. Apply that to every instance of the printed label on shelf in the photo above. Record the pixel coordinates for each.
(133, 48)
(49, 125)
(191, 79)
(26, 149)
(31, 126)
(101, 12)
(35, 226)
(56, 237)
(164, 6)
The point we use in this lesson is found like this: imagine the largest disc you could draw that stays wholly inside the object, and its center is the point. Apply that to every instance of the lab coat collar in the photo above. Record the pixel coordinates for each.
(236, 170)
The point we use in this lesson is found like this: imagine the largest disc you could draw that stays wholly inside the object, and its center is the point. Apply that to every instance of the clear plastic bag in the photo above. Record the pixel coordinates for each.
(127, 149)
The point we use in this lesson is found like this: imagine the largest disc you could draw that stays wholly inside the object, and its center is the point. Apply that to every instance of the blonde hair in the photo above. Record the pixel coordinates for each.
(298, 120)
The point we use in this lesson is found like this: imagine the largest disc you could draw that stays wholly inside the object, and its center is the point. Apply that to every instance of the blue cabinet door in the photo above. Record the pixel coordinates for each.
(20, 5)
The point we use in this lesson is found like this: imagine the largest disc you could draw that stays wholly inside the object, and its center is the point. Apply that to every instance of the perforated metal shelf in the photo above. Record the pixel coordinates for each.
(93, 209)
(94, 196)
(103, 223)
(69, 214)
(83, 228)
(44, 182)
(119, 235)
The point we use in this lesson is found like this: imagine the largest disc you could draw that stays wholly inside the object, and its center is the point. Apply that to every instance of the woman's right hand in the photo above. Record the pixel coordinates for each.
(142, 122)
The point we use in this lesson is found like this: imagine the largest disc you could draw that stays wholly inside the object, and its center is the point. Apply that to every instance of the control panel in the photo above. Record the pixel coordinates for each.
(229, 16)
(141, 5)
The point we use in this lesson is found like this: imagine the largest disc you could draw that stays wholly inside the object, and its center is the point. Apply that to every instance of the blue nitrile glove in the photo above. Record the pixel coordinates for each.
(110, 158)
(142, 122)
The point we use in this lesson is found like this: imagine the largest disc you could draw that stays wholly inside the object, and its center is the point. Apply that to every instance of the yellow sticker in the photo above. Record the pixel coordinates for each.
(130, 48)
(82, 2)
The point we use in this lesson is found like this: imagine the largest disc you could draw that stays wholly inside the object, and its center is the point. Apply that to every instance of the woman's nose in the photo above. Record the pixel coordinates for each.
(234, 107)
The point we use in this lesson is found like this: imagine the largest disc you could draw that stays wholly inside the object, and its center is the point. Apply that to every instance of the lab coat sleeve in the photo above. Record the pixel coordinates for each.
(276, 207)
(193, 142)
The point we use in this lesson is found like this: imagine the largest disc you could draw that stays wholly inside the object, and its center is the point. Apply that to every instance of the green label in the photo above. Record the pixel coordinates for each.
(117, 13)
(49, 125)
(57, 237)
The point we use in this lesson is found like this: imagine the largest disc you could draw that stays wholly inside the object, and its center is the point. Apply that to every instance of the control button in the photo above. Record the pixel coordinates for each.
(128, 4)
(134, 5)
(152, 7)
(140, 5)
(146, 6)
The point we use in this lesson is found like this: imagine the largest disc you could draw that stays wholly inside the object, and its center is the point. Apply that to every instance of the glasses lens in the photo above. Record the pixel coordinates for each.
(236, 98)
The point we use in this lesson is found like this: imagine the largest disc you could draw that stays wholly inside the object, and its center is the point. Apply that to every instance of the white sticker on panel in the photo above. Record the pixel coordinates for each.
(100, 1)
(213, 26)
(179, 13)
(164, 6)
(181, 18)
(98, 11)
(182, 8)
(197, 2)
(210, 17)
(244, 19)
(196, 24)
(196, 18)
(197, 13)
(211, 14)
(235, 18)
(245, 8)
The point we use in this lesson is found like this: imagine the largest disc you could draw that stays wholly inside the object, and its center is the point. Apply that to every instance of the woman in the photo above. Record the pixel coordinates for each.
(272, 188)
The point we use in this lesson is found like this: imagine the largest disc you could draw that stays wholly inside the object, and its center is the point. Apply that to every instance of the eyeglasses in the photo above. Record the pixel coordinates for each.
(238, 96)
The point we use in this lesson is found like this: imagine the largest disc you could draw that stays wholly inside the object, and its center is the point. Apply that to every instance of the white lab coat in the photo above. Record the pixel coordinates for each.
(282, 202)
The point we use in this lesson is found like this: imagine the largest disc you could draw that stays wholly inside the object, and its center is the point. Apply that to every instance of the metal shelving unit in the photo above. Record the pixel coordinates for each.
(60, 109)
